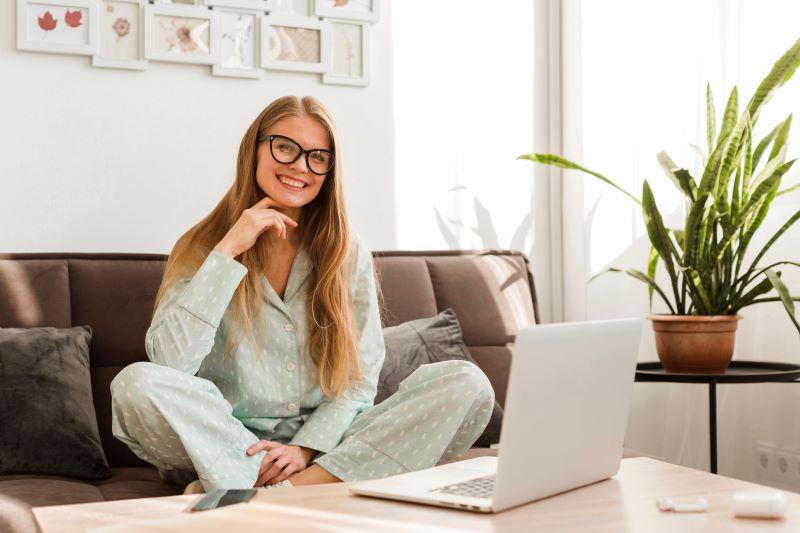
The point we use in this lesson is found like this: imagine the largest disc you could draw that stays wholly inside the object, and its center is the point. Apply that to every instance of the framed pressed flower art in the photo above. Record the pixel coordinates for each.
(182, 34)
(238, 47)
(58, 26)
(294, 43)
(349, 54)
(121, 34)
(348, 9)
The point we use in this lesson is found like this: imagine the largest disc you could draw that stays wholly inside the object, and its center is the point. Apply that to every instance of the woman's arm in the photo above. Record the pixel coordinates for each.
(185, 323)
(324, 428)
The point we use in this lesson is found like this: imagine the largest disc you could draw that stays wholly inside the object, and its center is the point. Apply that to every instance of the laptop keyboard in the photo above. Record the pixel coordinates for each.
(480, 487)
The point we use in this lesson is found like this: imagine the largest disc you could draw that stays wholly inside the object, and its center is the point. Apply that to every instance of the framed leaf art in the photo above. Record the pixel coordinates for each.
(58, 26)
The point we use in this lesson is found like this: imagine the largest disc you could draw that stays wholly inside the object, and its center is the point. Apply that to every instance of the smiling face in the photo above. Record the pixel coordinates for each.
(292, 184)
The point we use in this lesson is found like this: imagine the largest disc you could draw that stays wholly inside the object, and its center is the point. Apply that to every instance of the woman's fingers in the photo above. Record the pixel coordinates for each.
(290, 469)
(274, 470)
(262, 445)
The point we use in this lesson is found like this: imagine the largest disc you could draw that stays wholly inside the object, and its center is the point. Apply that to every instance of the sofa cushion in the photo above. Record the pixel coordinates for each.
(47, 418)
(423, 341)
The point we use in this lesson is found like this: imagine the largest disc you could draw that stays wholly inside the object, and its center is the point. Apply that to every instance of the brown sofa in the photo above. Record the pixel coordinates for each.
(492, 293)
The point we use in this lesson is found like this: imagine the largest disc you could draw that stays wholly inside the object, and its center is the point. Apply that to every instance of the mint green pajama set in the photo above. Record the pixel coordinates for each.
(193, 416)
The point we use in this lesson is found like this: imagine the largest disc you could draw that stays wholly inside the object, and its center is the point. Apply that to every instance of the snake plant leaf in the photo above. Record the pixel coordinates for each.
(782, 137)
(766, 185)
(781, 72)
(731, 112)
(788, 224)
(687, 182)
(694, 277)
(652, 264)
(762, 288)
(693, 230)
(753, 225)
(560, 162)
(668, 165)
(769, 169)
(641, 276)
(764, 143)
(656, 230)
(700, 154)
(708, 181)
(736, 195)
(783, 292)
(711, 120)
(788, 189)
(680, 237)
(730, 157)
(679, 176)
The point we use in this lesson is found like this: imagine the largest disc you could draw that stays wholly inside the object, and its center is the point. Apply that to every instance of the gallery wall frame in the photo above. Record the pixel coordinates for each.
(120, 26)
(256, 5)
(181, 34)
(57, 26)
(349, 62)
(366, 10)
(299, 44)
(239, 50)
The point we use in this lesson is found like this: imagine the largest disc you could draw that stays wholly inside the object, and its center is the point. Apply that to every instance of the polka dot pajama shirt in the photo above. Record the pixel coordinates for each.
(193, 415)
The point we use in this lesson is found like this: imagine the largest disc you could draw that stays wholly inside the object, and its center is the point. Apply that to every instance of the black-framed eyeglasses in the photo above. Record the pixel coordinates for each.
(286, 151)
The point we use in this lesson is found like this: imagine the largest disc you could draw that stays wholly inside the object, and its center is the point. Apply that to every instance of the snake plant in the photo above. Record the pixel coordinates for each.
(705, 259)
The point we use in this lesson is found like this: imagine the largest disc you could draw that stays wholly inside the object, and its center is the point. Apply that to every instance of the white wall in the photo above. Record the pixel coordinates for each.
(107, 160)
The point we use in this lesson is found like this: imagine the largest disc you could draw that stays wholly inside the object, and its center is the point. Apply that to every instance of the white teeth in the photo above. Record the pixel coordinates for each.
(291, 182)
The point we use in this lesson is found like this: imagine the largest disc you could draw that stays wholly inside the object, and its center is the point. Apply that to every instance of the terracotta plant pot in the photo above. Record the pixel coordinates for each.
(695, 344)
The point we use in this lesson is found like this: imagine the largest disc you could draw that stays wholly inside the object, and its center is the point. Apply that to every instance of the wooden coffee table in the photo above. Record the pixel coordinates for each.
(623, 503)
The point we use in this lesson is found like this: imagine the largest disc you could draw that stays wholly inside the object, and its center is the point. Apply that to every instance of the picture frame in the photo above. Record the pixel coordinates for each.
(180, 2)
(366, 10)
(349, 56)
(121, 35)
(57, 26)
(255, 5)
(292, 8)
(298, 44)
(239, 48)
(181, 34)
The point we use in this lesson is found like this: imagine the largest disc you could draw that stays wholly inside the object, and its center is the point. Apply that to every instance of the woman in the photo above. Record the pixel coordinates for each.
(264, 369)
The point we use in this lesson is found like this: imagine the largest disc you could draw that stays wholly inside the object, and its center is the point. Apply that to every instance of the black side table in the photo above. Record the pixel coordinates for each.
(738, 372)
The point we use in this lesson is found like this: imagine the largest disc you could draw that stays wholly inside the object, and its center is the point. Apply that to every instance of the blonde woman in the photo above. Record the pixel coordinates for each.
(266, 341)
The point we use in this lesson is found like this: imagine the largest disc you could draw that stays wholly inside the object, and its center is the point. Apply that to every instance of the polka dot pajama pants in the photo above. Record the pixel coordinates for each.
(182, 424)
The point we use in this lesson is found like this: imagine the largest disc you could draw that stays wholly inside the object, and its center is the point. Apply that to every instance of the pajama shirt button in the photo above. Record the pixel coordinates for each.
(292, 406)
(288, 327)
(290, 367)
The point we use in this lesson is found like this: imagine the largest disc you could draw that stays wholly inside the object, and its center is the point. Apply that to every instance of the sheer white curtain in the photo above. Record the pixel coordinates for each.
(642, 69)
(463, 89)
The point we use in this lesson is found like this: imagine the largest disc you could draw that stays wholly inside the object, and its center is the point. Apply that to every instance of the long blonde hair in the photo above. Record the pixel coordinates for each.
(331, 340)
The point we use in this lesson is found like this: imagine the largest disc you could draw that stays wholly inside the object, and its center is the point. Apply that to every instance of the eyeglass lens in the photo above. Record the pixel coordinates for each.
(287, 151)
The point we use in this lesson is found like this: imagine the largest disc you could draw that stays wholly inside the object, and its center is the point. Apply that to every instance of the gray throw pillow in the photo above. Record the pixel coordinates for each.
(428, 340)
(47, 419)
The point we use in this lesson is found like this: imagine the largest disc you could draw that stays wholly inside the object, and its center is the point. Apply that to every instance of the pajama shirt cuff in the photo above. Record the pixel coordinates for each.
(209, 293)
(243, 469)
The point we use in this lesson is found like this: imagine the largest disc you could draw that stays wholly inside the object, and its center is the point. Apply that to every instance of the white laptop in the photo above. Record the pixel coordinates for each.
(564, 422)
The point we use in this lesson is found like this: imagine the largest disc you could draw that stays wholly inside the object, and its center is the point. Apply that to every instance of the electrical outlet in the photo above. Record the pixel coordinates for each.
(764, 459)
(782, 465)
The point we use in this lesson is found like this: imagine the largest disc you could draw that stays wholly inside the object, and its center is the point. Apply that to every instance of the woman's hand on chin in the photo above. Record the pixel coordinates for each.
(263, 216)
(280, 461)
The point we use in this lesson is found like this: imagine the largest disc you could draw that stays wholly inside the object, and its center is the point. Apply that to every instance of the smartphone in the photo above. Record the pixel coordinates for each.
(222, 497)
